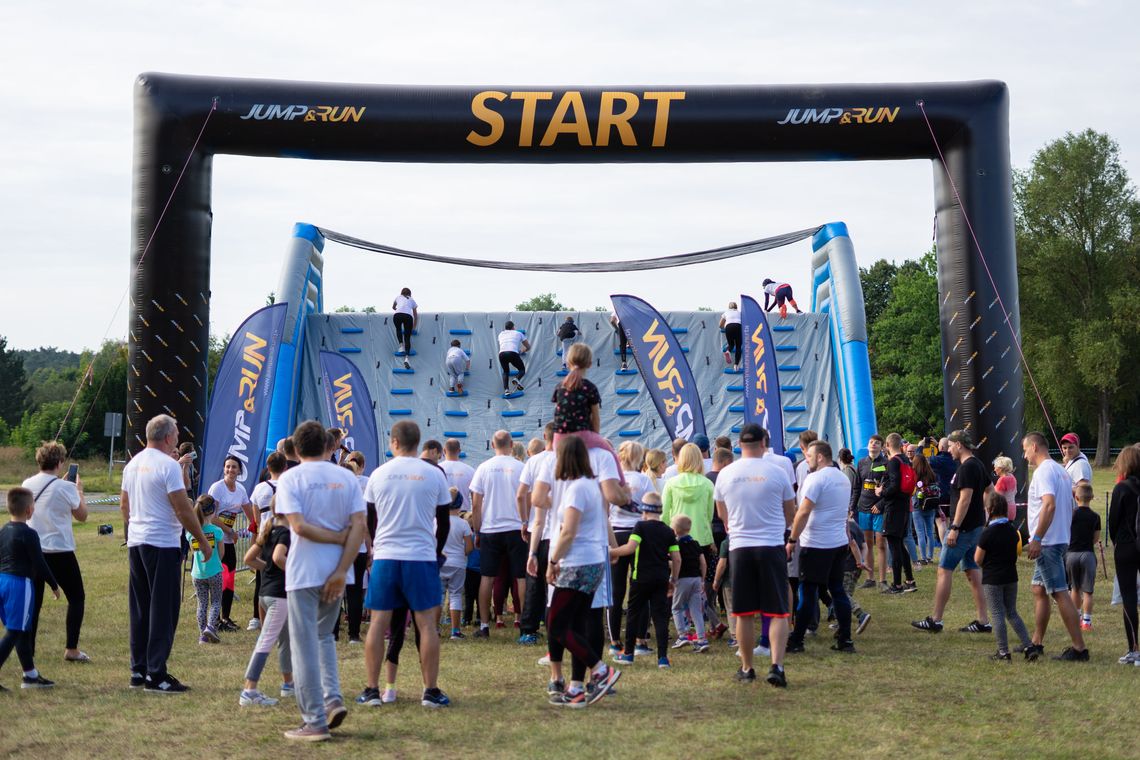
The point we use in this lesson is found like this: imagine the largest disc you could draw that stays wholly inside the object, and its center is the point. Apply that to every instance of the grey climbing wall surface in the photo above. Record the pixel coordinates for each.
(810, 396)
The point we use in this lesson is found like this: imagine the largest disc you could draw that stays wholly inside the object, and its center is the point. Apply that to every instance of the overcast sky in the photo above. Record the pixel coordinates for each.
(66, 131)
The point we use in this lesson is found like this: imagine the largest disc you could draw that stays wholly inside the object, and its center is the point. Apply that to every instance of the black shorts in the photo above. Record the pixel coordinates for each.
(820, 566)
(759, 581)
(494, 546)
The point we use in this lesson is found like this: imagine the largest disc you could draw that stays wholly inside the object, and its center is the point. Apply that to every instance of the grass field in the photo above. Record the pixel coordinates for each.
(904, 693)
(16, 465)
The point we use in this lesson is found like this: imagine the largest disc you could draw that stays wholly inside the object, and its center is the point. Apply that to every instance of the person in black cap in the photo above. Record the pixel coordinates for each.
(755, 500)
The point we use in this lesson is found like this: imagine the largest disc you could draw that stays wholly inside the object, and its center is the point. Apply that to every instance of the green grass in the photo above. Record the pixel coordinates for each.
(16, 465)
(905, 693)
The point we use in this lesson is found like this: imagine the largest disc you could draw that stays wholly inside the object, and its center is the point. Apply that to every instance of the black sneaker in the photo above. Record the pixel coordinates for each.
(228, 626)
(1001, 657)
(39, 682)
(746, 676)
(847, 647)
(776, 677)
(168, 685)
(869, 583)
(909, 587)
(795, 647)
(435, 698)
(927, 624)
(482, 633)
(1069, 654)
(138, 680)
(555, 687)
(1033, 652)
(891, 590)
(369, 697)
(976, 626)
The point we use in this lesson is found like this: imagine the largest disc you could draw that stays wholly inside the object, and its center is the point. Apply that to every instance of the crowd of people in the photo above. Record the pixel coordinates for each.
(581, 537)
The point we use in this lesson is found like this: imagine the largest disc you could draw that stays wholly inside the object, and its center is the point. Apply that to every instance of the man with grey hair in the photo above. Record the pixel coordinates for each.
(155, 510)
(495, 518)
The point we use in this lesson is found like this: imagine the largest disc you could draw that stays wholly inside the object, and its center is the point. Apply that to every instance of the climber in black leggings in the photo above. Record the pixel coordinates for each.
(733, 334)
(405, 319)
(512, 345)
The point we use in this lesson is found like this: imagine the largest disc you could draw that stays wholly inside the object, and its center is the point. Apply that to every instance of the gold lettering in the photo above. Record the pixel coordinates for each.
(342, 398)
(481, 111)
(607, 119)
(572, 100)
(530, 103)
(888, 115)
(671, 405)
(661, 123)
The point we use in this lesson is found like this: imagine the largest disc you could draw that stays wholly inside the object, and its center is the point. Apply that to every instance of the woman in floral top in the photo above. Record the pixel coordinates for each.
(577, 404)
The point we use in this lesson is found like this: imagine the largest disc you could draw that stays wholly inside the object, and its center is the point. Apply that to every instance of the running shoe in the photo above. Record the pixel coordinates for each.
(892, 590)
(355, 640)
(500, 624)
(1129, 658)
(518, 385)
(39, 682)
(846, 647)
(745, 676)
(336, 712)
(369, 697)
(543, 661)
(528, 639)
(718, 632)
(1069, 654)
(1001, 657)
(731, 641)
(1034, 652)
(663, 663)
(700, 645)
(867, 584)
(681, 642)
(625, 659)
(727, 358)
(833, 626)
(168, 685)
(1086, 626)
(761, 651)
(864, 620)
(976, 626)
(482, 633)
(203, 640)
(81, 657)
(624, 366)
(883, 586)
(388, 696)
(287, 691)
(254, 625)
(776, 677)
(457, 635)
(227, 626)
(575, 699)
(210, 635)
(307, 733)
(555, 687)
(255, 697)
(795, 647)
(407, 364)
(928, 624)
(435, 698)
(641, 650)
(909, 586)
(603, 682)
(616, 647)
(138, 680)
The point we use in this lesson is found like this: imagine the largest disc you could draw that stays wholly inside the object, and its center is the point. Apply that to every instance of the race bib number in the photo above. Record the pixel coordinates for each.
(194, 546)
(227, 519)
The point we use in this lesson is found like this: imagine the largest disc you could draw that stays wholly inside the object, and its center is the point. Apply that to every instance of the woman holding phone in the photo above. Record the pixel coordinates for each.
(59, 500)
(232, 500)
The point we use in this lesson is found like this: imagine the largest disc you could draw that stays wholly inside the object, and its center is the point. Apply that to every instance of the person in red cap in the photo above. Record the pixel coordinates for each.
(1076, 463)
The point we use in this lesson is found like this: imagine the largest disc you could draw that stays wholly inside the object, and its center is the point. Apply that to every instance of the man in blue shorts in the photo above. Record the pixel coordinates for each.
(968, 490)
(865, 504)
(408, 494)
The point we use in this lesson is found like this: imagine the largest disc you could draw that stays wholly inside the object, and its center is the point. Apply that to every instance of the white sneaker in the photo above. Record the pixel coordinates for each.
(1130, 658)
(761, 651)
(254, 625)
(544, 660)
(388, 696)
(256, 698)
(682, 641)
(287, 691)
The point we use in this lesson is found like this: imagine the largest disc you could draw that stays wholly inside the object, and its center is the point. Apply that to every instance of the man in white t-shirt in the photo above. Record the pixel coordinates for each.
(325, 510)
(754, 499)
(512, 345)
(779, 460)
(671, 470)
(534, 598)
(820, 528)
(458, 472)
(410, 495)
(1076, 463)
(1050, 520)
(547, 498)
(155, 510)
(496, 520)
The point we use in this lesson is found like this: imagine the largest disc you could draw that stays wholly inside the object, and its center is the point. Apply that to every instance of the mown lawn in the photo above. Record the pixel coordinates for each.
(905, 694)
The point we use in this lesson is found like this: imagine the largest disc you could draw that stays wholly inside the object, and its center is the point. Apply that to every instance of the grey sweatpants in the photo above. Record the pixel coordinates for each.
(688, 595)
(1002, 601)
(315, 677)
(274, 630)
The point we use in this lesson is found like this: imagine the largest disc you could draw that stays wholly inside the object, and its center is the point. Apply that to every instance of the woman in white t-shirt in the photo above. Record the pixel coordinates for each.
(512, 345)
(232, 501)
(733, 335)
(58, 502)
(405, 319)
(577, 564)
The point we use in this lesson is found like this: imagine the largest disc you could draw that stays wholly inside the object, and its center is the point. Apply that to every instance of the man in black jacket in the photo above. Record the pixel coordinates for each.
(895, 503)
(865, 505)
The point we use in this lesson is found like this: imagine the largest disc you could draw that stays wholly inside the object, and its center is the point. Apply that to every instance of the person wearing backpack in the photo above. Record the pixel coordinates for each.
(894, 493)
(927, 496)
(568, 333)
(1123, 516)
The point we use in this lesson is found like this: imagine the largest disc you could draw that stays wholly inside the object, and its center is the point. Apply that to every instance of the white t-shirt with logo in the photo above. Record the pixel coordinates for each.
(497, 480)
(731, 317)
(230, 504)
(639, 484)
(404, 305)
(527, 477)
(591, 543)
(782, 462)
(1050, 478)
(148, 479)
(52, 518)
(406, 492)
(754, 491)
(830, 493)
(459, 475)
(262, 495)
(455, 548)
(511, 340)
(326, 496)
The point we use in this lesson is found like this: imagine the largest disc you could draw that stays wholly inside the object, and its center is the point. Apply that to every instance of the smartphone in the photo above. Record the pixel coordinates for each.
(72, 473)
(193, 455)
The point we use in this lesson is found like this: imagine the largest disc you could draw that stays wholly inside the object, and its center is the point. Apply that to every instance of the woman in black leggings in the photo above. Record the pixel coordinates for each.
(58, 502)
(1122, 529)
(733, 334)
(405, 319)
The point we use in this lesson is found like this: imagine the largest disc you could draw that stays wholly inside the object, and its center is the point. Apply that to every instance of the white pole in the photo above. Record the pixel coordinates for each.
(111, 455)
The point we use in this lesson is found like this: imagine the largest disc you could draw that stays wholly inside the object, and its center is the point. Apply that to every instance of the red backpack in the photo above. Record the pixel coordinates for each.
(907, 478)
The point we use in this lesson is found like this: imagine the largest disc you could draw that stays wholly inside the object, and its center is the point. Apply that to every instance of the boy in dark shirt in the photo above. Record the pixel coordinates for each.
(656, 566)
(688, 596)
(1080, 559)
(996, 553)
(22, 563)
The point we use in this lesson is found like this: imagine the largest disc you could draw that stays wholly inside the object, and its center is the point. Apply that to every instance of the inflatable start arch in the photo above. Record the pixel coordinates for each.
(180, 116)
